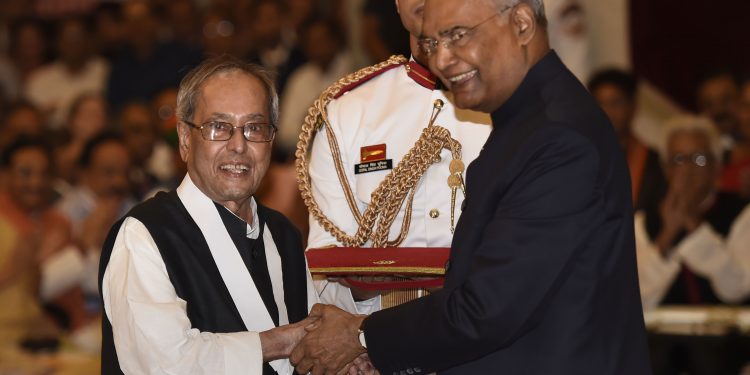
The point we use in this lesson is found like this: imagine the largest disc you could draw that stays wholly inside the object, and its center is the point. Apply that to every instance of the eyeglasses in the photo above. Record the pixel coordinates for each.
(223, 131)
(456, 37)
(698, 159)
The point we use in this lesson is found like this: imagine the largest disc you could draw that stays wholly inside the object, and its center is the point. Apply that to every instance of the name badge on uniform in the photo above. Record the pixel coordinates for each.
(372, 159)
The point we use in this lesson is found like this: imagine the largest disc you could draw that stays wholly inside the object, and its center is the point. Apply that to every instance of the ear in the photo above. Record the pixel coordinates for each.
(397, 11)
(524, 23)
(183, 135)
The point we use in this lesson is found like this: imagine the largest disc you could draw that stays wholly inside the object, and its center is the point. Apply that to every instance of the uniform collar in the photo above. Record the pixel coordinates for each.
(421, 75)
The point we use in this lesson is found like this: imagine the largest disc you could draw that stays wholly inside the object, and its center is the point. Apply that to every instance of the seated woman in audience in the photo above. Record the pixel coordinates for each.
(693, 247)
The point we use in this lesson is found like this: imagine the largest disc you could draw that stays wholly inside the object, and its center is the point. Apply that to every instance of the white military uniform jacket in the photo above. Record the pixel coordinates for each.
(391, 108)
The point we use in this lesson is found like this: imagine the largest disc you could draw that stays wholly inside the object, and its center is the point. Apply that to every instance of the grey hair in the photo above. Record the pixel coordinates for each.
(695, 125)
(536, 5)
(191, 84)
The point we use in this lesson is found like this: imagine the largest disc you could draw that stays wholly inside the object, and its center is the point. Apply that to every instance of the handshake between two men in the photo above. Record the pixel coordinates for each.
(326, 342)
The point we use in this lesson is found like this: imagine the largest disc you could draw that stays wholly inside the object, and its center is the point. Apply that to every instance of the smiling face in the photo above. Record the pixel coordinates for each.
(228, 172)
(493, 59)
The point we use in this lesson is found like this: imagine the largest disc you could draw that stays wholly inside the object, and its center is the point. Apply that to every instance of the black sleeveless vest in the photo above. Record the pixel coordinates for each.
(194, 273)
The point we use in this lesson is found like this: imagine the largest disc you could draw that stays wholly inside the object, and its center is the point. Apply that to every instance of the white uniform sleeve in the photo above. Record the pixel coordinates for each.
(333, 293)
(151, 330)
(655, 273)
(726, 263)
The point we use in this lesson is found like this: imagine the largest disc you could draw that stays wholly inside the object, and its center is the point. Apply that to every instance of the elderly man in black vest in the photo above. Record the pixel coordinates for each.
(204, 279)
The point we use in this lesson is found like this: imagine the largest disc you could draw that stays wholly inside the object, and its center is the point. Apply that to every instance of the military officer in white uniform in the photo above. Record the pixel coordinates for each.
(376, 121)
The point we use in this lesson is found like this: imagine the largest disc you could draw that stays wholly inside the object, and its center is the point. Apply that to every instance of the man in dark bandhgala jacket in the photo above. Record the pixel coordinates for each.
(542, 275)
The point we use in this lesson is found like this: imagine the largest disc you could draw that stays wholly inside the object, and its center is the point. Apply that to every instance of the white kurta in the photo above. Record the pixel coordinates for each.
(392, 109)
(150, 326)
(725, 262)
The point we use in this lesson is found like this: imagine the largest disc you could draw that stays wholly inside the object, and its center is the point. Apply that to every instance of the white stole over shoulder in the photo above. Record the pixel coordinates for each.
(233, 271)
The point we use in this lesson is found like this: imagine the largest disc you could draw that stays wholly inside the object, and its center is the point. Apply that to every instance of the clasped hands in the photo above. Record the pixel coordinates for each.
(331, 344)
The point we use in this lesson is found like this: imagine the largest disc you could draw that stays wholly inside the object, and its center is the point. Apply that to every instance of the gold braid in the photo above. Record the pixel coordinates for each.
(389, 196)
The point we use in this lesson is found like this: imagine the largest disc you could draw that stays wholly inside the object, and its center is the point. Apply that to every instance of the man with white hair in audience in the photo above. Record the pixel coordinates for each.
(693, 247)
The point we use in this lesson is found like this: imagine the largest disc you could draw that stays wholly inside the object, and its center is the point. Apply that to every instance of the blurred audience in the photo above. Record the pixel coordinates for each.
(109, 30)
(298, 13)
(21, 119)
(693, 247)
(328, 60)
(101, 195)
(30, 232)
(273, 42)
(383, 34)
(182, 23)
(615, 91)
(28, 49)
(54, 87)
(164, 106)
(87, 118)
(148, 65)
(736, 176)
(219, 36)
(718, 96)
(152, 163)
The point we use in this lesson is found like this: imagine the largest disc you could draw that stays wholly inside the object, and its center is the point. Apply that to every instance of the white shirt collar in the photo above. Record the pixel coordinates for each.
(253, 229)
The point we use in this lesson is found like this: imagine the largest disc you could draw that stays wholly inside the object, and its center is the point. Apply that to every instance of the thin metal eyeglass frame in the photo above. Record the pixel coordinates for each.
(448, 40)
(231, 131)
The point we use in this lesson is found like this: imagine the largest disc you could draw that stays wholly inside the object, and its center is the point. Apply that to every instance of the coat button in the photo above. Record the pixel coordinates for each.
(434, 213)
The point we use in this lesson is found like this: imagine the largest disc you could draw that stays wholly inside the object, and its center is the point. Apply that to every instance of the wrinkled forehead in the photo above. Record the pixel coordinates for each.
(441, 16)
(233, 91)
